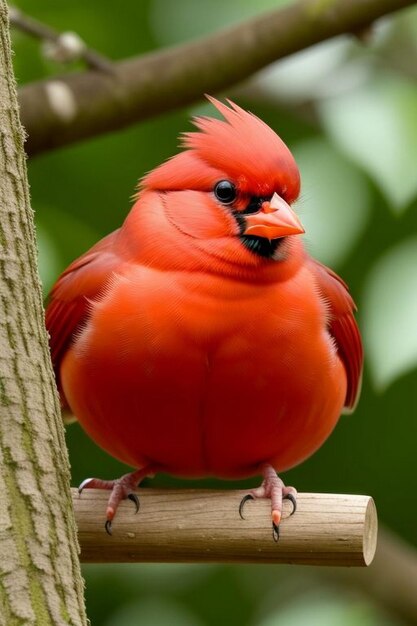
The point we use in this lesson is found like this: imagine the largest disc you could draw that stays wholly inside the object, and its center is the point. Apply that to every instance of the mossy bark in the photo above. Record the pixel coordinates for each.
(40, 579)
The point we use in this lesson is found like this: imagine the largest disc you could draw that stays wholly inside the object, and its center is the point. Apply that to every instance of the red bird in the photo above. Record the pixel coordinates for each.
(200, 338)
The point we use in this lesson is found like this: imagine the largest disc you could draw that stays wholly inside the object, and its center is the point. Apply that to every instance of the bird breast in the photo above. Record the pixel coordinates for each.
(205, 376)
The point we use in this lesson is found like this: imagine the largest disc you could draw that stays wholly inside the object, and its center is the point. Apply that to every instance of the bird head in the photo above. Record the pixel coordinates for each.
(229, 193)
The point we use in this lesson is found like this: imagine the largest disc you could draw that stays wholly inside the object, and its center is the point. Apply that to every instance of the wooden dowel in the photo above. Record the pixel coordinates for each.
(204, 526)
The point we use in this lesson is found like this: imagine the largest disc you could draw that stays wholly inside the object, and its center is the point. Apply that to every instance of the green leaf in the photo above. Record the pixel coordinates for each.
(334, 206)
(390, 314)
(376, 126)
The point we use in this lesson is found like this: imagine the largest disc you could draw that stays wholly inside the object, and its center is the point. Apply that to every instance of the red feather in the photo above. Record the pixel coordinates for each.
(68, 303)
(342, 327)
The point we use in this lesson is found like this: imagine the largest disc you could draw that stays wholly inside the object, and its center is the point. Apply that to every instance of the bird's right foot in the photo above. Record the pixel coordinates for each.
(121, 489)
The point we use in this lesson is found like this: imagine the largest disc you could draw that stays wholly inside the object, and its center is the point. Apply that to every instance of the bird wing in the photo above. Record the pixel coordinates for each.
(342, 326)
(68, 302)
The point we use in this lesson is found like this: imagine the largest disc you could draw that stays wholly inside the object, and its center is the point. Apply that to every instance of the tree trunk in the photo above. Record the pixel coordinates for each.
(40, 575)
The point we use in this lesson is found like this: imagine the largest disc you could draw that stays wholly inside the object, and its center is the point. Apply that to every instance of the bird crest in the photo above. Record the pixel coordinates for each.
(240, 147)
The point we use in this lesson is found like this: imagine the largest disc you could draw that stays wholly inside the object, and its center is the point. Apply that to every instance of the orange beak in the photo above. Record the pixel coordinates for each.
(275, 219)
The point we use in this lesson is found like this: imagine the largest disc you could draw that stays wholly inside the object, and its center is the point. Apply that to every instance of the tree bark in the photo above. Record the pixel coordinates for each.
(40, 575)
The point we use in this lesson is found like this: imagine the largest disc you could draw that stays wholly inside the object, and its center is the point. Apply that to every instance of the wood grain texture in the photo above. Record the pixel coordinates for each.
(204, 526)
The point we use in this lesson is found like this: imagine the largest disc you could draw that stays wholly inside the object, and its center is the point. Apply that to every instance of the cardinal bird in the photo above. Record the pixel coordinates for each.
(200, 338)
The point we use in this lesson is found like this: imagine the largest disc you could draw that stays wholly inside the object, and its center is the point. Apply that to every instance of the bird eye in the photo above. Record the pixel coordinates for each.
(225, 191)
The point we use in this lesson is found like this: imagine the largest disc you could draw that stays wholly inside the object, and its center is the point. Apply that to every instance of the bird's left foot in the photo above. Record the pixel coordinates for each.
(272, 487)
(121, 489)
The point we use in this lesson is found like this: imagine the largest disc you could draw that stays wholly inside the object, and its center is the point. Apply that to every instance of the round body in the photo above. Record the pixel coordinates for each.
(200, 338)
(204, 375)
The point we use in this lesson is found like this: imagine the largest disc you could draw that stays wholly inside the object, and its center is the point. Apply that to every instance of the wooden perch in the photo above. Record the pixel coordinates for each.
(204, 526)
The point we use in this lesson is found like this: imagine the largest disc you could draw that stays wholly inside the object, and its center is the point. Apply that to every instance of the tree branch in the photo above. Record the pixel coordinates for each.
(57, 112)
(204, 526)
(65, 47)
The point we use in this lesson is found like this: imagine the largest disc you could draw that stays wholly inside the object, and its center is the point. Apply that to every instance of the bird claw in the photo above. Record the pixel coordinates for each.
(120, 489)
(273, 488)
(293, 501)
(134, 498)
(83, 485)
(108, 523)
(243, 502)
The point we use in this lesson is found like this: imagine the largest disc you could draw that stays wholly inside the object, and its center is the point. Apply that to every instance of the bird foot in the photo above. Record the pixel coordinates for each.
(272, 487)
(121, 489)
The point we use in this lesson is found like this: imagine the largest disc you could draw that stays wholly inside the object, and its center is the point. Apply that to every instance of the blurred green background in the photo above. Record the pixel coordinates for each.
(348, 110)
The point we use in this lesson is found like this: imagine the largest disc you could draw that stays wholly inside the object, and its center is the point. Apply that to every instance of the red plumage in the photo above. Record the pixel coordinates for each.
(200, 338)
